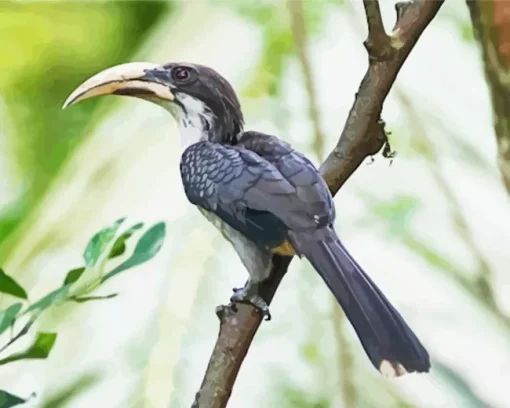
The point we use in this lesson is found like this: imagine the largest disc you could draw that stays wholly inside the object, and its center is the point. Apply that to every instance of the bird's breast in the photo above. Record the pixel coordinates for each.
(273, 241)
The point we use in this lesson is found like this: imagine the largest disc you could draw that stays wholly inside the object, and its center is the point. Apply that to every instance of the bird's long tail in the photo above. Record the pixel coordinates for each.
(388, 341)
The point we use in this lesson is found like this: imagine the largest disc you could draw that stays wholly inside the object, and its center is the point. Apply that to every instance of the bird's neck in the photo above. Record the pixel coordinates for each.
(200, 127)
(194, 120)
(194, 128)
(197, 122)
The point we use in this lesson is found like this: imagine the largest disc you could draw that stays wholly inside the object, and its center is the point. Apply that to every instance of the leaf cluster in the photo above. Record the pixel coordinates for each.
(78, 286)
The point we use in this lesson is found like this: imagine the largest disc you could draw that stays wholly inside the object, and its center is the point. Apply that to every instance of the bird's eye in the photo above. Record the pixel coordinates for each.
(181, 74)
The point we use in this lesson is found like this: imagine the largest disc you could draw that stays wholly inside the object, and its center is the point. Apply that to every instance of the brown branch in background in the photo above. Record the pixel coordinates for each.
(361, 137)
(346, 389)
(349, 395)
(491, 23)
(298, 28)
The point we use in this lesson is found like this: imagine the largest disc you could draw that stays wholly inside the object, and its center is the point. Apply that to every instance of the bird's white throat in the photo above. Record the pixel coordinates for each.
(194, 119)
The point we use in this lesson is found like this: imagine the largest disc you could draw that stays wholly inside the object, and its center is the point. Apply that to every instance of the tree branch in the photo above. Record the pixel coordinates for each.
(363, 136)
(491, 23)
(298, 29)
(237, 329)
(378, 42)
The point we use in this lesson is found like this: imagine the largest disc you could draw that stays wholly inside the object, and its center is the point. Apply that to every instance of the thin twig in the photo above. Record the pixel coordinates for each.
(361, 137)
(298, 29)
(374, 21)
(20, 334)
(378, 42)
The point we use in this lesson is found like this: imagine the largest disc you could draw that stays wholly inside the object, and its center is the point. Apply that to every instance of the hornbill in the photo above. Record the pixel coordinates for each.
(264, 197)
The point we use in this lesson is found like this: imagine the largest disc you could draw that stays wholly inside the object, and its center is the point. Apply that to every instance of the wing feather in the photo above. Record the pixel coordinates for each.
(256, 183)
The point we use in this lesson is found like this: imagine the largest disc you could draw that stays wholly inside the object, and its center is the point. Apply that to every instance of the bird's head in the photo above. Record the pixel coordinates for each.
(203, 103)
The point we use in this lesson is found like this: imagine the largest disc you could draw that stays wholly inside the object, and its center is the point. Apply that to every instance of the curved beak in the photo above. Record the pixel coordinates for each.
(140, 79)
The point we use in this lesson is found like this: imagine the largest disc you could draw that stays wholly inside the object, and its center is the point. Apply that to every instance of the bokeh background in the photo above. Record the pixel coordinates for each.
(432, 227)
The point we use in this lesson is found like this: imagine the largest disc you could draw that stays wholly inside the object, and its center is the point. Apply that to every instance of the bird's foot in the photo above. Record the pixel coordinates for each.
(249, 294)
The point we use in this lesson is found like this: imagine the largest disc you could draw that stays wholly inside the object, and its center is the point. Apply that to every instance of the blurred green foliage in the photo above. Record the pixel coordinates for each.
(464, 393)
(50, 47)
(36, 76)
(278, 41)
(292, 397)
(63, 396)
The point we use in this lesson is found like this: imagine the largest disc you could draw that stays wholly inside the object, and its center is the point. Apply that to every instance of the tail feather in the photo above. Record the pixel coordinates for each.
(390, 344)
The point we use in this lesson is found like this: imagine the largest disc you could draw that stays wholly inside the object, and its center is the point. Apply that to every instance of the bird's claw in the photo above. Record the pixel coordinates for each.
(248, 295)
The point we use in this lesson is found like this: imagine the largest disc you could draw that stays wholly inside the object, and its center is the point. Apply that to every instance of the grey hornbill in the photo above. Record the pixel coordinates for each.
(264, 197)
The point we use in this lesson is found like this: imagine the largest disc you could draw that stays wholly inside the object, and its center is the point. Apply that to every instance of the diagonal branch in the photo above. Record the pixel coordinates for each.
(363, 136)
(363, 133)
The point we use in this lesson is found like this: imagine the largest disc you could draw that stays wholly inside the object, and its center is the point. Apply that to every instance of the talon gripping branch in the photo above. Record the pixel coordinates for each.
(264, 197)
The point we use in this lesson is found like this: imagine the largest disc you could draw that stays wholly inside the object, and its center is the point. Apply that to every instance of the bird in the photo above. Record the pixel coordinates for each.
(264, 197)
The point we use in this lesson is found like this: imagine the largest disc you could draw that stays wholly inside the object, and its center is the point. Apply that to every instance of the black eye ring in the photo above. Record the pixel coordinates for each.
(181, 74)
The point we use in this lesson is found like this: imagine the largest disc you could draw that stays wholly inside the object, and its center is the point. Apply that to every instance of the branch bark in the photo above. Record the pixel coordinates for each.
(491, 23)
(378, 43)
(363, 136)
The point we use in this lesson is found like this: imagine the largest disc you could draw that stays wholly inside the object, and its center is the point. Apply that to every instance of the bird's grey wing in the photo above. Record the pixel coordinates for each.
(242, 187)
(297, 169)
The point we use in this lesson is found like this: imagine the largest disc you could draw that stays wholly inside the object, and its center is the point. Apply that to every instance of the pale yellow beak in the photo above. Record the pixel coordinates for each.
(125, 79)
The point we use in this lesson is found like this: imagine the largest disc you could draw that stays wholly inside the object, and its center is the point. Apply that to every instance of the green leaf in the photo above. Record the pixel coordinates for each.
(64, 395)
(8, 400)
(147, 247)
(84, 299)
(99, 242)
(119, 247)
(40, 349)
(8, 316)
(10, 286)
(73, 275)
(49, 300)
